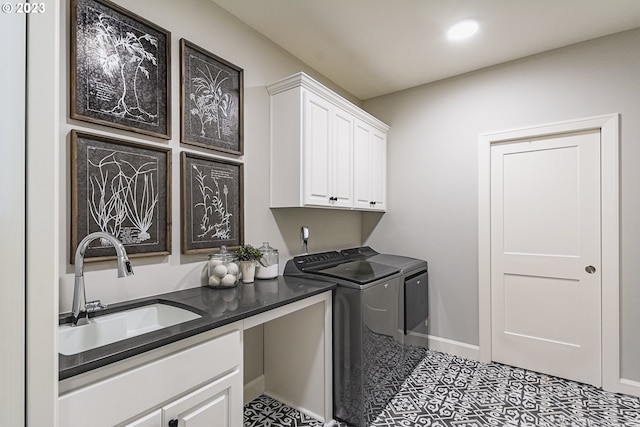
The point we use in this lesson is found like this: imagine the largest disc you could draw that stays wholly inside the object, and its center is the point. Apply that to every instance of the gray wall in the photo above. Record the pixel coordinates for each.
(204, 23)
(432, 180)
(433, 167)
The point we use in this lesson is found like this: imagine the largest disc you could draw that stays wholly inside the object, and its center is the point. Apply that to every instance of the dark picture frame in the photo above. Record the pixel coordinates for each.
(211, 100)
(122, 188)
(120, 69)
(212, 203)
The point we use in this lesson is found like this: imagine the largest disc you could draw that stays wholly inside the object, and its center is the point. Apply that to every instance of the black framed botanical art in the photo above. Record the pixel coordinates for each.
(122, 188)
(211, 204)
(120, 69)
(211, 103)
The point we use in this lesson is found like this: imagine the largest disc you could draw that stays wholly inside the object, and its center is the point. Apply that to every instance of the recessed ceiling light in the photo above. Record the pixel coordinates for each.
(463, 29)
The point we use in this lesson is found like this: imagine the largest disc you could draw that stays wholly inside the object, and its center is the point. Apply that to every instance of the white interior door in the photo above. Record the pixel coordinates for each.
(546, 255)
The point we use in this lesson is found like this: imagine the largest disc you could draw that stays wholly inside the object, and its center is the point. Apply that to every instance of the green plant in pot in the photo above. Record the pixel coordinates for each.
(248, 256)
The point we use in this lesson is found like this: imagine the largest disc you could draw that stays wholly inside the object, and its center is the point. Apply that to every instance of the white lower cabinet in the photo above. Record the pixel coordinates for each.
(208, 406)
(195, 386)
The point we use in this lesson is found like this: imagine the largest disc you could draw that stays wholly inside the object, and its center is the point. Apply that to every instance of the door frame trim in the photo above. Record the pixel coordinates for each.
(610, 221)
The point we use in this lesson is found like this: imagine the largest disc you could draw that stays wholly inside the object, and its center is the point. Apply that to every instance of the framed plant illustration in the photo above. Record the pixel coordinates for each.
(211, 104)
(120, 69)
(122, 188)
(212, 203)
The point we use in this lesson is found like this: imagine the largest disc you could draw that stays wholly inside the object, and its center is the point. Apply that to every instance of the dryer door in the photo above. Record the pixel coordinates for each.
(416, 301)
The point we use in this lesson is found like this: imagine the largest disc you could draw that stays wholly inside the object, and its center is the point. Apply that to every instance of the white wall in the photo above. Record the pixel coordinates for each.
(433, 155)
(43, 122)
(13, 45)
(205, 24)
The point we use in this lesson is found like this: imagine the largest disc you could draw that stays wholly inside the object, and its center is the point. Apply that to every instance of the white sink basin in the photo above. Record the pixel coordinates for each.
(110, 328)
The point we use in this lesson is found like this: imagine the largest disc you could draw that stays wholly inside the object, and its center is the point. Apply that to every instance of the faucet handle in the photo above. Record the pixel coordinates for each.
(93, 306)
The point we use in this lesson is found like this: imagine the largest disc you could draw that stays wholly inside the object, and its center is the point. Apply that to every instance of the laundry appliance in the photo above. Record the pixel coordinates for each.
(379, 300)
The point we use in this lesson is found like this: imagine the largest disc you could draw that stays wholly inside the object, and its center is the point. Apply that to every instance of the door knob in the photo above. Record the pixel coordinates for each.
(590, 269)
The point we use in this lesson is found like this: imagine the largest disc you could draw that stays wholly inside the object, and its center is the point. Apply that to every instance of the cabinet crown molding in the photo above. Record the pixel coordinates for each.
(302, 80)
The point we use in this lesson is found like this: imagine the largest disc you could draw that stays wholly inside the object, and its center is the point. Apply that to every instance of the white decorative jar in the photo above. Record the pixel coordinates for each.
(267, 267)
(223, 270)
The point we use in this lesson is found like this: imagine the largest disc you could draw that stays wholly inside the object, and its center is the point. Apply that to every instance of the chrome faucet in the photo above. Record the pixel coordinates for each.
(80, 307)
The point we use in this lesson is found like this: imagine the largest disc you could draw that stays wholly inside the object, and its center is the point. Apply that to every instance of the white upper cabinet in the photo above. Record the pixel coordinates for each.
(370, 171)
(328, 151)
(319, 154)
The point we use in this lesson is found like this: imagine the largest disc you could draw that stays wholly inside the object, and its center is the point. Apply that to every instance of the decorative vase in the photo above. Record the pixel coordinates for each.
(248, 270)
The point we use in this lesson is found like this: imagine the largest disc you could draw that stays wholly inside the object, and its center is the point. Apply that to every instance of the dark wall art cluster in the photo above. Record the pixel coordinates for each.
(120, 77)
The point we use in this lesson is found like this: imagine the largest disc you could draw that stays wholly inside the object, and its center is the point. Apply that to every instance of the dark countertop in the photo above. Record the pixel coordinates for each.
(218, 307)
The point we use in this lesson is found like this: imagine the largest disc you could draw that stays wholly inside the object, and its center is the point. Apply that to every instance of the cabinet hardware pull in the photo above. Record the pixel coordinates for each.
(173, 423)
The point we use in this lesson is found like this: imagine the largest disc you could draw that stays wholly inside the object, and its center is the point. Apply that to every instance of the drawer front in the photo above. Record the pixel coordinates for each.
(153, 419)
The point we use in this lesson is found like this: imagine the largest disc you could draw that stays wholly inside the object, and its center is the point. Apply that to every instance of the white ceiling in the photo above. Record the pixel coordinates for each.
(374, 47)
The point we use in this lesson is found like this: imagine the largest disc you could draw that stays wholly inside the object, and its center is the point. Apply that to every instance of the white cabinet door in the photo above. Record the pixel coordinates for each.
(218, 404)
(378, 161)
(342, 159)
(362, 166)
(317, 150)
(328, 153)
(369, 167)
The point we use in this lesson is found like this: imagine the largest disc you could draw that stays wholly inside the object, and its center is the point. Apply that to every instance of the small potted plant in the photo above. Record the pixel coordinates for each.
(248, 256)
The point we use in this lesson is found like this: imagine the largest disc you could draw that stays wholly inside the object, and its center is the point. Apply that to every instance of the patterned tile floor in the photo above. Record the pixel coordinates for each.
(449, 391)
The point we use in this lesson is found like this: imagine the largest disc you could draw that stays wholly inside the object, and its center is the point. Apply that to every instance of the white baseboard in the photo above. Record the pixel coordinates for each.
(253, 389)
(444, 345)
(256, 388)
(629, 387)
(298, 408)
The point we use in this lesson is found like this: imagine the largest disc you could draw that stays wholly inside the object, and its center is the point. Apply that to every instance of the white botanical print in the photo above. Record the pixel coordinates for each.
(122, 193)
(212, 206)
(211, 103)
(124, 68)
